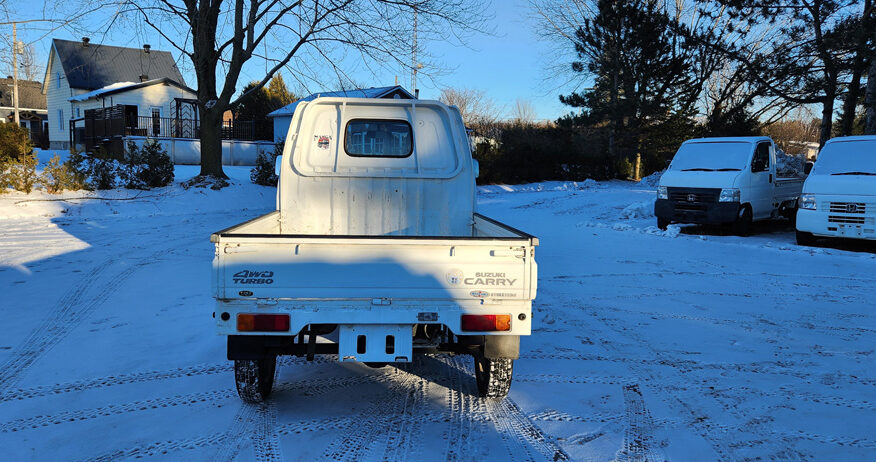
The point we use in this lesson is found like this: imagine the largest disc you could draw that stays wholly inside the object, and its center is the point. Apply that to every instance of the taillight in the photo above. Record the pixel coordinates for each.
(263, 322)
(486, 322)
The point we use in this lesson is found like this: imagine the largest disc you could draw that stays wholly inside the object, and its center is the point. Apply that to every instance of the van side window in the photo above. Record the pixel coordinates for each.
(761, 160)
(378, 138)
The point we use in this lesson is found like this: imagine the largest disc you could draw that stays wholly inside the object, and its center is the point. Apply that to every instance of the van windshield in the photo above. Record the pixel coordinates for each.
(847, 158)
(712, 157)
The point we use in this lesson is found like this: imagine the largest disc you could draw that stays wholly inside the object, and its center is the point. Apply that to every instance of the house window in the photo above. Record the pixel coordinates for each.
(378, 138)
(77, 112)
(58, 78)
(61, 119)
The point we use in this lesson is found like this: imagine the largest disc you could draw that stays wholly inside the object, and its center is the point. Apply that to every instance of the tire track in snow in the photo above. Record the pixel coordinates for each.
(74, 307)
(516, 426)
(65, 417)
(370, 424)
(19, 394)
(638, 436)
(265, 439)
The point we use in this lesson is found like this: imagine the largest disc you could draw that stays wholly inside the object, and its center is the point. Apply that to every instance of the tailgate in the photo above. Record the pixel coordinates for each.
(383, 267)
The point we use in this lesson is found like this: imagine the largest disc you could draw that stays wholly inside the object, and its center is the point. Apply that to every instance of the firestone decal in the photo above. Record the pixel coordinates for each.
(254, 277)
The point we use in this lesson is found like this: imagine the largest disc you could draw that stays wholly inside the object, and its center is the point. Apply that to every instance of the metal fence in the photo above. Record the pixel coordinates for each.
(246, 130)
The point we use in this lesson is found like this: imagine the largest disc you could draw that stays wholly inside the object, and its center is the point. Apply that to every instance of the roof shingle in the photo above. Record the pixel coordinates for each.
(96, 66)
(30, 94)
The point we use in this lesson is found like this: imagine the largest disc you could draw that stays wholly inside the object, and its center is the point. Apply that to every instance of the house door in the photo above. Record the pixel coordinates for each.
(131, 120)
(761, 182)
(156, 121)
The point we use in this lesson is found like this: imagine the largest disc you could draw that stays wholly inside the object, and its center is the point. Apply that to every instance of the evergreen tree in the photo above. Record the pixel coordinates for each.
(641, 66)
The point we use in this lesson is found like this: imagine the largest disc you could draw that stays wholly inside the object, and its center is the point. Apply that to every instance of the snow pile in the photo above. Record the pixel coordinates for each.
(638, 210)
(652, 180)
(539, 187)
(789, 166)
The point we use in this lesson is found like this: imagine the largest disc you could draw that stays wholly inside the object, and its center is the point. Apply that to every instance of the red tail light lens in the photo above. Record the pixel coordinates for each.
(486, 322)
(263, 322)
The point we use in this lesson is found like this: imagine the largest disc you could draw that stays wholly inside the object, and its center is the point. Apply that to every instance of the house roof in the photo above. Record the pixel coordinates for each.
(97, 66)
(120, 87)
(29, 94)
(373, 92)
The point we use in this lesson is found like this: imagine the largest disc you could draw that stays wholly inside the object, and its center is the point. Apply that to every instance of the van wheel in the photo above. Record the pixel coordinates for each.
(805, 239)
(742, 225)
(255, 378)
(662, 223)
(493, 376)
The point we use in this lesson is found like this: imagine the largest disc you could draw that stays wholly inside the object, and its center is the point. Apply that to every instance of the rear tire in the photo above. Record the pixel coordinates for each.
(662, 223)
(255, 378)
(742, 225)
(805, 239)
(493, 376)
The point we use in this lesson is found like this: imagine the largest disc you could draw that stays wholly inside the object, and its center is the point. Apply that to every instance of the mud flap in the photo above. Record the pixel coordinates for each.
(378, 343)
(502, 346)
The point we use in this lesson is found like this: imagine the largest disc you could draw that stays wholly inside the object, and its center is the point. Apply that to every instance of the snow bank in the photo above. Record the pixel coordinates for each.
(652, 180)
(538, 187)
(638, 210)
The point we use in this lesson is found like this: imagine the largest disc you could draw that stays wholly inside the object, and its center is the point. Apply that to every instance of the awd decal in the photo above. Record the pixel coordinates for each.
(254, 277)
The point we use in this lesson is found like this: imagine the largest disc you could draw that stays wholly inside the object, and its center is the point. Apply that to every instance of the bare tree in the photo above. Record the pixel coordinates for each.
(221, 38)
(870, 101)
(29, 64)
(524, 112)
(478, 110)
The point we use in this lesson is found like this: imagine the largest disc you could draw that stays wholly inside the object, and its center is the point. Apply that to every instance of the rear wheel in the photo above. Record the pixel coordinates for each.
(742, 225)
(662, 223)
(255, 378)
(806, 239)
(493, 376)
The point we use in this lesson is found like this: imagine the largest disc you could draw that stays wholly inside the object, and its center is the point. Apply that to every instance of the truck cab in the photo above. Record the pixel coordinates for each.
(839, 196)
(725, 181)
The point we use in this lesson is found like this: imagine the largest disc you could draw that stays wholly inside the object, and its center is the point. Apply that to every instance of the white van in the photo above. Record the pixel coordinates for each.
(839, 197)
(725, 181)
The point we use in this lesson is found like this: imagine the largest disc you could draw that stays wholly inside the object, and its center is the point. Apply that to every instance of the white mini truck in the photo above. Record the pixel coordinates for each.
(376, 251)
(839, 197)
(725, 181)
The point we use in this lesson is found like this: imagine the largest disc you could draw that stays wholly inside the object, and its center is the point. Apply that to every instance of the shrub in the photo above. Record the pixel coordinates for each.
(78, 166)
(146, 167)
(14, 142)
(21, 173)
(57, 177)
(263, 173)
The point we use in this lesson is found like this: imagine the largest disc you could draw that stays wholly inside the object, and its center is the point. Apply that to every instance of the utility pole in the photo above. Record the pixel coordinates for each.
(15, 119)
(414, 55)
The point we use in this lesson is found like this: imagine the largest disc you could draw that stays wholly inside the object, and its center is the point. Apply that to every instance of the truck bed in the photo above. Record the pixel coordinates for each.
(254, 260)
(788, 188)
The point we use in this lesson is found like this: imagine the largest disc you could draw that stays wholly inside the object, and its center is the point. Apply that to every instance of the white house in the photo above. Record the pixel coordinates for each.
(283, 117)
(146, 84)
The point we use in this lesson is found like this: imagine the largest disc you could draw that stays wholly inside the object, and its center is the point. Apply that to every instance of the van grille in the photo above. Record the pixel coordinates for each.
(848, 207)
(693, 196)
(846, 220)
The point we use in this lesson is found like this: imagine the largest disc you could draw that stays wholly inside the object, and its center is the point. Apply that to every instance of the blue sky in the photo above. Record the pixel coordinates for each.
(507, 64)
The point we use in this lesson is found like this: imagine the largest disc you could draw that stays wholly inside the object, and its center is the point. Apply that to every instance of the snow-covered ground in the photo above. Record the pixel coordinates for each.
(685, 344)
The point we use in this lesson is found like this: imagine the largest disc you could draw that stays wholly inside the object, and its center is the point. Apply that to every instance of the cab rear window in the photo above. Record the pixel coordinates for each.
(378, 138)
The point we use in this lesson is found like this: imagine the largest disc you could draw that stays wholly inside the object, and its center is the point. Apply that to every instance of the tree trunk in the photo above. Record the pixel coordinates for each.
(850, 103)
(870, 100)
(211, 143)
(826, 118)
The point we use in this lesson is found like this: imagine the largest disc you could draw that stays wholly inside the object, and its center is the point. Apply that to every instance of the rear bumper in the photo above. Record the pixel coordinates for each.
(353, 312)
(714, 213)
(823, 223)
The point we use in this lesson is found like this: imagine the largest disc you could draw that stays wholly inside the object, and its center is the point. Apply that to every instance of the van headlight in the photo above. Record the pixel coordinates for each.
(729, 195)
(662, 192)
(807, 202)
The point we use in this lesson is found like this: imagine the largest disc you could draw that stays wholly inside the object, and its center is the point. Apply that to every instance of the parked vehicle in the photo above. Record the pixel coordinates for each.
(725, 181)
(839, 197)
(376, 251)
